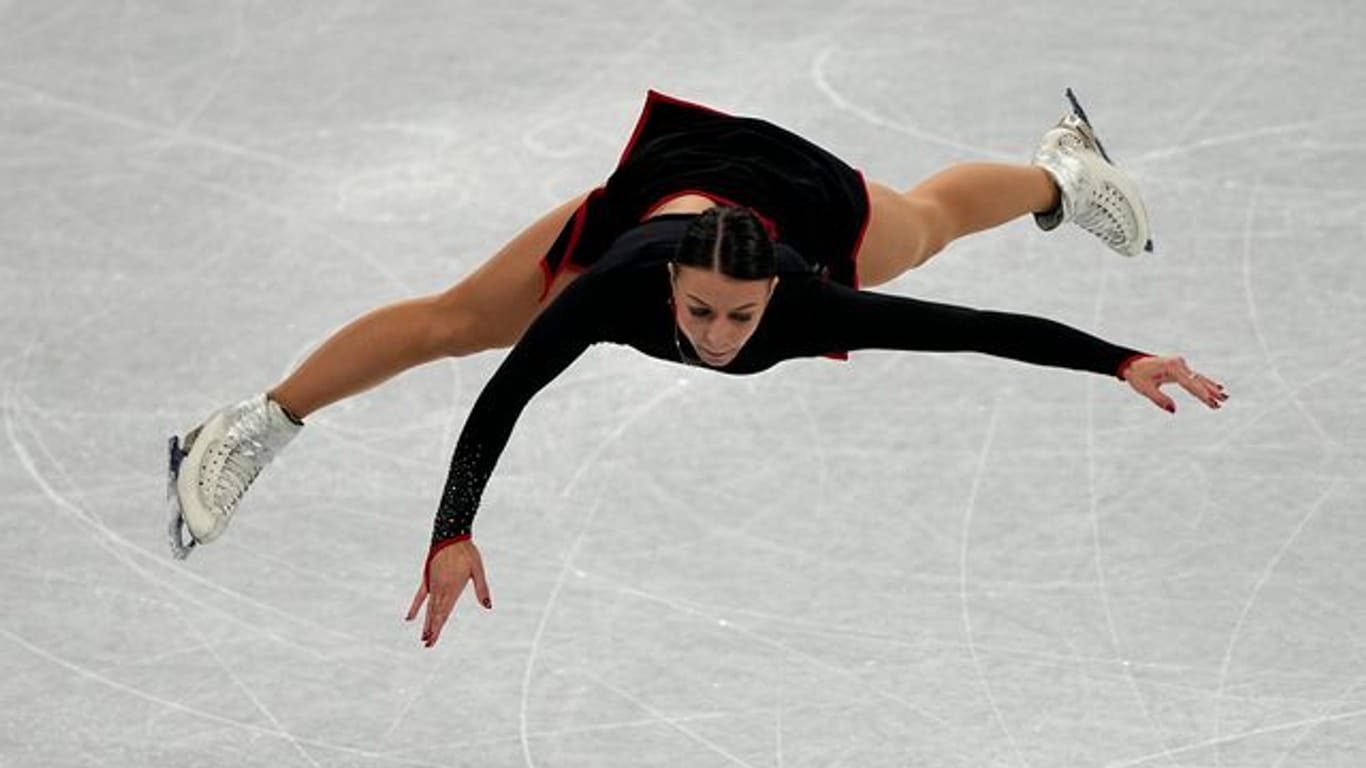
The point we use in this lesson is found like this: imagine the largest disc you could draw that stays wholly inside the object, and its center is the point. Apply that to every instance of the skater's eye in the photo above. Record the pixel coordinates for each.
(702, 312)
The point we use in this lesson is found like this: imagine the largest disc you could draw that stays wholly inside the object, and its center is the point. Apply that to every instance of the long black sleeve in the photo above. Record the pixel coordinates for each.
(837, 318)
(553, 341)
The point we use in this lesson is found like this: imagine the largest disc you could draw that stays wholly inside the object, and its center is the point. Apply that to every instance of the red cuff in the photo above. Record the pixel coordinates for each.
(437, 547)
(1128, 361)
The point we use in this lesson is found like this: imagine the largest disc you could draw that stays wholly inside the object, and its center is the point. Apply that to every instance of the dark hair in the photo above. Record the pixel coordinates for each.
(730, 240)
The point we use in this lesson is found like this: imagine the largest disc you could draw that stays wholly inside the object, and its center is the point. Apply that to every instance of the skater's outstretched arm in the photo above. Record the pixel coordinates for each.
(840, 318)
(554, 341)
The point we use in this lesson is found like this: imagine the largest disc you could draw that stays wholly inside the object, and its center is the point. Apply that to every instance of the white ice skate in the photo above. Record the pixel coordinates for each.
(1096, 196)
(216, 463)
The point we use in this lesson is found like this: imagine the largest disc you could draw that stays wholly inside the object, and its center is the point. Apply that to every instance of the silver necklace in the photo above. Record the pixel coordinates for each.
(684, 357)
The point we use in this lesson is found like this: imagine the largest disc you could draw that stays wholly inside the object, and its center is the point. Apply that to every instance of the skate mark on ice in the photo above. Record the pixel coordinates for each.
(1341, 717)
(822, 82)
(1253, 315)
(102, 679)
(99, 114)
(123, 550)
(716, 619)
(672, 722)
(588, 462)
(963, 579)
(246, 689)
(1252, 599)
(1093, 510)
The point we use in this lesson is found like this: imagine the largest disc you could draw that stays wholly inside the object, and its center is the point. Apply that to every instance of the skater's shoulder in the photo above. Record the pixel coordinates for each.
(642, 249)
(652, 241)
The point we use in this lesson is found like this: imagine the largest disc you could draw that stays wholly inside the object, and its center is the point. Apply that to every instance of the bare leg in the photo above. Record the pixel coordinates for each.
(369, 350)
(488, 309)
(907, 228)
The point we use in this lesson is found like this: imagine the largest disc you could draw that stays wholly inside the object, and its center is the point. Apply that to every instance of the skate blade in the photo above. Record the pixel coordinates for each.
(1081, 113)
(177, 534)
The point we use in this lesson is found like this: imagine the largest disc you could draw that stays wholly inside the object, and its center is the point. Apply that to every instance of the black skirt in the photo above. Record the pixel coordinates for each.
(805, 196)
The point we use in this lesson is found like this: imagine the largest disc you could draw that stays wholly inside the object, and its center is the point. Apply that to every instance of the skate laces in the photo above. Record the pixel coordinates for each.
(1095, 194)
(1106, 212)
(1107, 217)
(244, 451)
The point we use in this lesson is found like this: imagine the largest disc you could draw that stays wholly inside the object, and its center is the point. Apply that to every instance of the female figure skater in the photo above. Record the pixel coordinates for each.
(719, 241)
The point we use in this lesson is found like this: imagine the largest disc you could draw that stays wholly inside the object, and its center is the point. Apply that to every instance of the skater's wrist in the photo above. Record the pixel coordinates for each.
(1122, 373)
(436, 548)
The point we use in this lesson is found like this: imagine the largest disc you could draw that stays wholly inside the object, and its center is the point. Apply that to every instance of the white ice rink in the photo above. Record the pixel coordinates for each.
(903, 560)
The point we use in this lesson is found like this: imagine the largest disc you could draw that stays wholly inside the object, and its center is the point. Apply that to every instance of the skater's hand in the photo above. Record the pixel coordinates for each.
(449, 567)
(1147, 375)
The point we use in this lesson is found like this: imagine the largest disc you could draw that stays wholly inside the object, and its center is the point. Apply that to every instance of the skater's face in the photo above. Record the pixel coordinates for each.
(717, 313)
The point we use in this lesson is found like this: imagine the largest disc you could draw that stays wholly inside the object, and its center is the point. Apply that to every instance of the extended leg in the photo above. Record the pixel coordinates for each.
(908, 228)
(488, 309)
(1071, 180)
(214, 464)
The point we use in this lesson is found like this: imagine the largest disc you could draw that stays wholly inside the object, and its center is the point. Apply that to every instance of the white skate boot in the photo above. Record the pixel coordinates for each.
(1096, 196)
(216, 462)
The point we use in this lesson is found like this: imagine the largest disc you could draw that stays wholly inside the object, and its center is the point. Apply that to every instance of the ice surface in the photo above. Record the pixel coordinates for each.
(905, 560)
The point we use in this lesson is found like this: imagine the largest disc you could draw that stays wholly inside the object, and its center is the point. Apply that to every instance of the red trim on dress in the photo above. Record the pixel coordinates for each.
(653, 97)
(659, 96)
(649, 212)
(567, 258)
(853, 254)
(770, 226)
(547, 277)
(858, 245)
(867, 220)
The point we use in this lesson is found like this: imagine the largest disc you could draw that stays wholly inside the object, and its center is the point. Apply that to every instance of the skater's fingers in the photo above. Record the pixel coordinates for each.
(1161, 400)
(436, 619)
(418, 599)
(481, 585)
(1150, 386)
(436, 635)
(439, 610)
(1147, 376)
(432, 621)
(439, 623)
(1214, 390)
(1202, 389)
